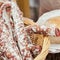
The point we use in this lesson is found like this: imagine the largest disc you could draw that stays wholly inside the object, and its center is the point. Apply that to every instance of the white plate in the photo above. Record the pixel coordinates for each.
(54, 48)
(42, 19)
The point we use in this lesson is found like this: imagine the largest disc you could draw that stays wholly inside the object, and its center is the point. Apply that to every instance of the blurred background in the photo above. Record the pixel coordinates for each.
(35, 8)
(30, 8)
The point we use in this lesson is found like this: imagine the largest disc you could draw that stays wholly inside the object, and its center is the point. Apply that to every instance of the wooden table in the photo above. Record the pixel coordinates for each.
(53, 56)
(54, 52)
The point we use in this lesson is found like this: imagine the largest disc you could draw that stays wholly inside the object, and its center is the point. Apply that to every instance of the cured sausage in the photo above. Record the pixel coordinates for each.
(24, 41)
(8, 47)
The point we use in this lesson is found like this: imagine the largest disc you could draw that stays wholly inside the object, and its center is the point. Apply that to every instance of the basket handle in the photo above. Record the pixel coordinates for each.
(45, 50)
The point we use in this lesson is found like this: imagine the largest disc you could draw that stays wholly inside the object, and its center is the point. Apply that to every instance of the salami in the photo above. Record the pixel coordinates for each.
(8, 47)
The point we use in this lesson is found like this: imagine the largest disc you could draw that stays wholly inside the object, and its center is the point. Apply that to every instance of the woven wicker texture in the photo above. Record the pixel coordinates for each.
(40, 40)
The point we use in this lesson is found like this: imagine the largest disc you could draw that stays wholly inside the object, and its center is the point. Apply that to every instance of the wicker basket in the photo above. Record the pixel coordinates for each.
(43, 41)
